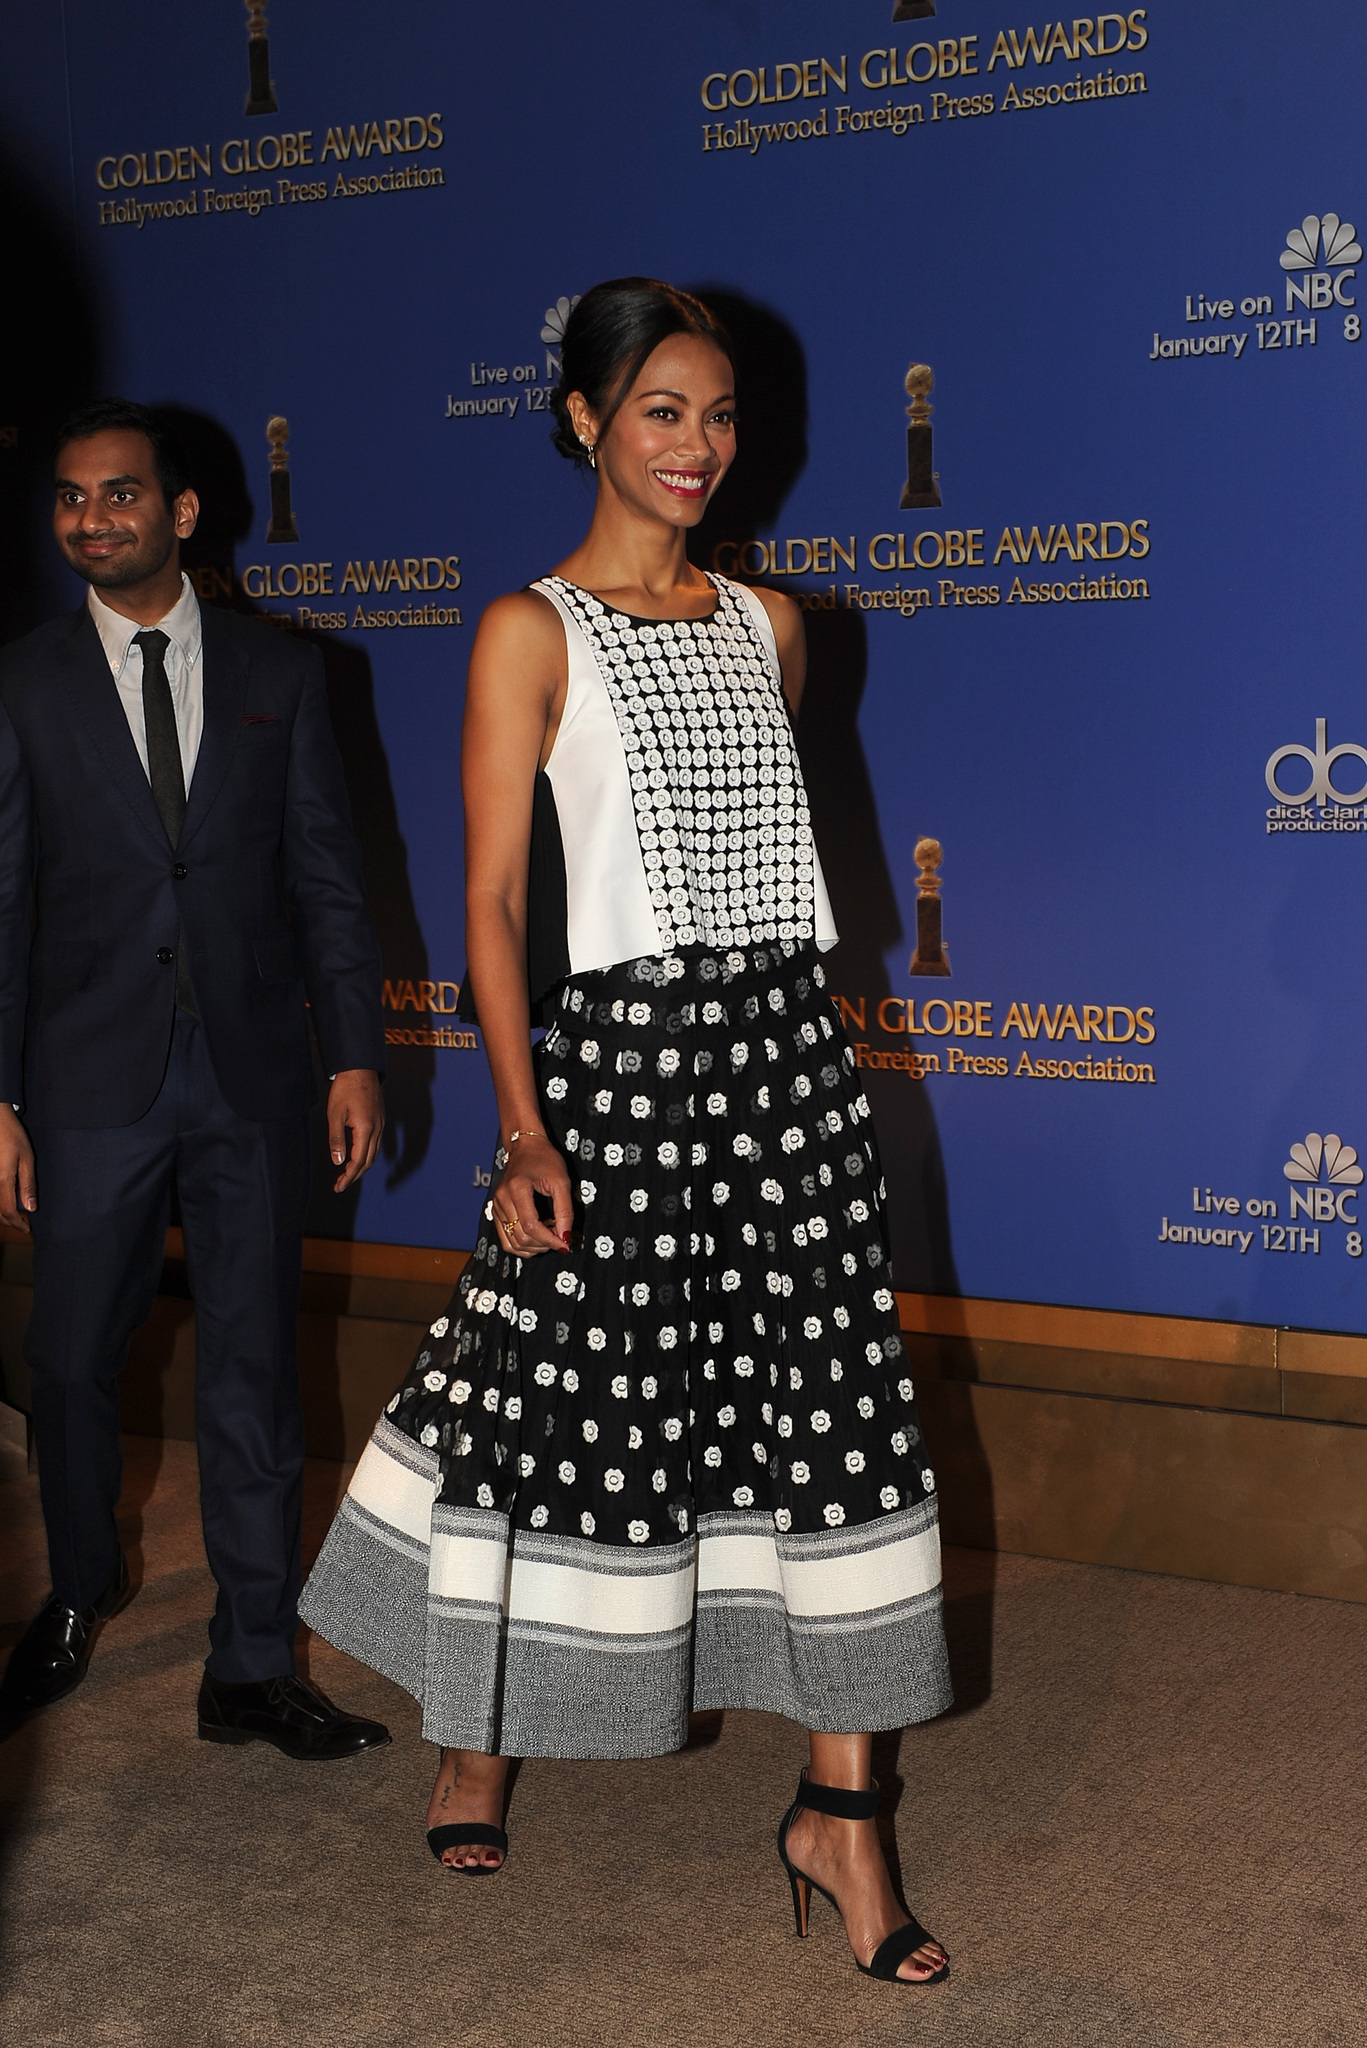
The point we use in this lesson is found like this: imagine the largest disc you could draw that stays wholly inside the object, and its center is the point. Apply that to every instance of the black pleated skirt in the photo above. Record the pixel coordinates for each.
(678, 1465)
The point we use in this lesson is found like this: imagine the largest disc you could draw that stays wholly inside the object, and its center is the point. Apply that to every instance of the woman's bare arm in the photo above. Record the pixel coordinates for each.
(513, 699)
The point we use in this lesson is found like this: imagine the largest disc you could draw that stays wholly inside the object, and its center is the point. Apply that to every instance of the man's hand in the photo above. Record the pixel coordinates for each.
(18, 1183)
(354, 1105)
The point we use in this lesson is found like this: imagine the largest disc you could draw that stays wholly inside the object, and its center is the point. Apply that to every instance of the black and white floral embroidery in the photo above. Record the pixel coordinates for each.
(722, 1336)
(540, 1541)
(721, 811)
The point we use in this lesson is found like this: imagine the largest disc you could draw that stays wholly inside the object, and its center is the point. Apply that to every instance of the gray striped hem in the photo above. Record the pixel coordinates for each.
(583, 1671)
(887, 1674)
(822, 1624)
(820, 1544)
(367, 1595)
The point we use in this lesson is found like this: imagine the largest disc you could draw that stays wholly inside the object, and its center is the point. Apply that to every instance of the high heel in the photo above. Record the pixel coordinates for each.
(844, 1805)
(477, 1831)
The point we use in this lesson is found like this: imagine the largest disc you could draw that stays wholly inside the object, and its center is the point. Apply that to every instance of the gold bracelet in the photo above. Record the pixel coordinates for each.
(513, 1137)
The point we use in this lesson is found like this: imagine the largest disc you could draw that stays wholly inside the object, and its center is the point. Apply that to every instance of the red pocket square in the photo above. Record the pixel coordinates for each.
(261, 718)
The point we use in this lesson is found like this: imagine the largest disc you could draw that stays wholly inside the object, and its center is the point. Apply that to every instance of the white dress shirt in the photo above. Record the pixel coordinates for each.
(184, 662)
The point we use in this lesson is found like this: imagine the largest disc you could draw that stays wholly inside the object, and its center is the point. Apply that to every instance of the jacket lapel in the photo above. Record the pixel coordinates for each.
(225, 695)
(92, 694)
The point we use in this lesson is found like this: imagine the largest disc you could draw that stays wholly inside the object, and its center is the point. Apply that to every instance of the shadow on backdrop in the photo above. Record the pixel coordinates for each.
(772, 423)
(771, 387)
(49, 363)
(226, 515)
(867, 917)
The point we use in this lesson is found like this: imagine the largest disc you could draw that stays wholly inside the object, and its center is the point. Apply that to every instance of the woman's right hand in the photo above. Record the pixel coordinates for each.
(534, 1168)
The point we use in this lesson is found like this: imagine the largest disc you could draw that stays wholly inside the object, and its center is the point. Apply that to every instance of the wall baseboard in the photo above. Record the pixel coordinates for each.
(1226, 1451)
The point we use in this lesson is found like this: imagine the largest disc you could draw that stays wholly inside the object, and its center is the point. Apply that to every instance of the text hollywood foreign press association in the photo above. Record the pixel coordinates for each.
(189, 164)
(1095, 38)
(424, 574)
(941, 1018)
(1085, 541)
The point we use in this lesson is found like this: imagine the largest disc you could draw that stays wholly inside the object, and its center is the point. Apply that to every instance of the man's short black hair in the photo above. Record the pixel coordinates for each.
(105, 415)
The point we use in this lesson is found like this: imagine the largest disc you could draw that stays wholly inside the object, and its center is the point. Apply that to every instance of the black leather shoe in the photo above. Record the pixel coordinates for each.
(291, 1713)
(53, 1655)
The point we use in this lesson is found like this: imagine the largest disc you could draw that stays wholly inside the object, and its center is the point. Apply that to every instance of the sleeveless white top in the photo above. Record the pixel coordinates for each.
(682, 811)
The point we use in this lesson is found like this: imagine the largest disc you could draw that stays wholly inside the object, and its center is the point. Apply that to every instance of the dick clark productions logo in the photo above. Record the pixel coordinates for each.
(1321, 806)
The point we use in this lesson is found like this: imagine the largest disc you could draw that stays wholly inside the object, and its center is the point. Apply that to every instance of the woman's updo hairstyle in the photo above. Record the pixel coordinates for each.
(610, 335)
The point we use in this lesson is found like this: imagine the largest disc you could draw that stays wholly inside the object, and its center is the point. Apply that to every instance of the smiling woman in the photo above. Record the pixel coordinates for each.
(662, 1452)
(612, 334)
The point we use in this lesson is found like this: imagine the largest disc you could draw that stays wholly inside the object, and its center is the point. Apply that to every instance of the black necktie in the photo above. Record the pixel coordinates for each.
(163, 741)
(164, 769)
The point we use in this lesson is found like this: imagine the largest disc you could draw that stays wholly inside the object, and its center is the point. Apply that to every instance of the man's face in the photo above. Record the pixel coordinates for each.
(111, 519)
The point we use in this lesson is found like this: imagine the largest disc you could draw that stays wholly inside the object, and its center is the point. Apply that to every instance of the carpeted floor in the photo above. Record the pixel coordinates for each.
(1143, 1825)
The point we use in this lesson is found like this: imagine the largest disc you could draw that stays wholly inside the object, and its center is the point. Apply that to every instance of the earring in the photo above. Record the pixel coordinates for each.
(591, 449)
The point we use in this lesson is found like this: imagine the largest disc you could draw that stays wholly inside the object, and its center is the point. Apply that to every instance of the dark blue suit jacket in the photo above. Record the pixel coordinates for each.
(265, 882)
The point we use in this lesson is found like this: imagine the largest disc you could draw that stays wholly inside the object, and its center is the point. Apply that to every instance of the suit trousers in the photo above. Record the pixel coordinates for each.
(99, 1240)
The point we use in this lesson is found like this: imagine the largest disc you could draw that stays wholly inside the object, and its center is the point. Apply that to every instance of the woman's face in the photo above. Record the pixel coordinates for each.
(673, 438)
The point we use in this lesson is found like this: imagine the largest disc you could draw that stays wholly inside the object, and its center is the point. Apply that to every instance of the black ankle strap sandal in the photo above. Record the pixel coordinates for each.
(846, 1805)
(478, 1832)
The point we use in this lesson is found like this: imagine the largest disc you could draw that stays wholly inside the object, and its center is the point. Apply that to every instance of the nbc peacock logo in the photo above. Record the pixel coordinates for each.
(1317, 260)
(553, 332)
(1324, 1174)
(1321, 236)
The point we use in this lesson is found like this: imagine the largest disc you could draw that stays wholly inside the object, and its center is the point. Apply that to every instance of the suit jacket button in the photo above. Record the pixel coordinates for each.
(165, 955)
(179, 871)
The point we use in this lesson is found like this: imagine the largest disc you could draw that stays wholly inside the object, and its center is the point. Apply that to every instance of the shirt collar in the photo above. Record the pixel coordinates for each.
(181, 625)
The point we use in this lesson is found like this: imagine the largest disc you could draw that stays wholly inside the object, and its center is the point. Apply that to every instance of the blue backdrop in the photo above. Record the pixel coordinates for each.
(1124, 244)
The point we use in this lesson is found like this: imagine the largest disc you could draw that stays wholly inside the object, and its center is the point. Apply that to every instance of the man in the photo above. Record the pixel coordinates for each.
(172, 808)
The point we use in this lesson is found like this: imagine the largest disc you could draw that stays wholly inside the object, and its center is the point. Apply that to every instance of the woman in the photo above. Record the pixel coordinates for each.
(662, 1451)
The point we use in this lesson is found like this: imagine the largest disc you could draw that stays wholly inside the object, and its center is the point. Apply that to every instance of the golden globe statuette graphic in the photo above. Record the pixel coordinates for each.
(930, 956)
(282, 527)
(261, 91)
(913, 10)
(922, 485)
